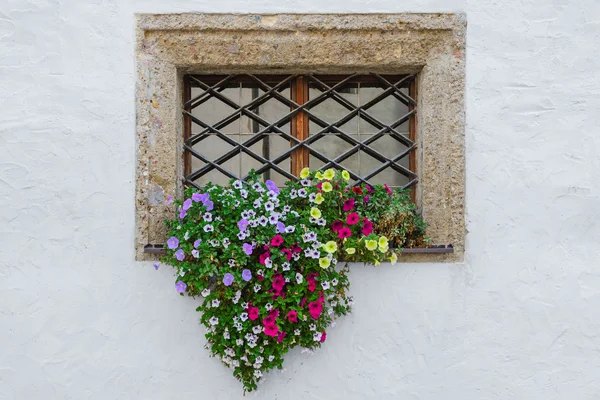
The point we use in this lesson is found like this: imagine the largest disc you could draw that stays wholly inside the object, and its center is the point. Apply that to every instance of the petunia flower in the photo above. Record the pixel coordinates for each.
(357, 190)
(246, 275)
(197, 243)
(324, 262)
(173, 243)
(327, 187)
(319, 198)
(344, 233)
(242, 224)
(292, 316)
(348, 205)
(179, 255)
(304, 173)
(366, 198)
(346, 175)
(287, 253)
(182, 213)
(314, 309)
(280, 227)
(371, 244)
(281, 336)
(323, 336)
(315, 212)
(271, 186)
(387, 188)
(186, 205)
(383, 242)
(329, 174)
(209, 205)
(330, 247)
(352, 218)
(351, 250)
(278, 282)
(367, 227)
(228, 279)
(394, 258)
(252, 313)
(156, 265)
(271, 330)
(276, 241)
(247, 248)
(180, 286)
(169, 200)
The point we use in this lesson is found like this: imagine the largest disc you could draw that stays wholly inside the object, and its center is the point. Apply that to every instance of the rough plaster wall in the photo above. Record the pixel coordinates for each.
(79, 319)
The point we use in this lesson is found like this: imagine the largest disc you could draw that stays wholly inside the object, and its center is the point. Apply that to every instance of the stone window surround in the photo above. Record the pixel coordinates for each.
(432, 45)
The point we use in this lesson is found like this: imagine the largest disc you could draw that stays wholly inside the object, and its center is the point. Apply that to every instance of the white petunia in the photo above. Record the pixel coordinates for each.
(213, 321)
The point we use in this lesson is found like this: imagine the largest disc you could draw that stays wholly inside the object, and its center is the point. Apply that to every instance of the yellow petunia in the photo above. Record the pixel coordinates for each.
(329, 174)
(351, 250)
(315, 213)
(346, 175)
(371, 244)
(327, 187)
(319, 175)
(304, 173)
(324, 262)
(330, 247)
(394, 258)
(384, 249)
(377, 262)
(319, 198)
(383, 241)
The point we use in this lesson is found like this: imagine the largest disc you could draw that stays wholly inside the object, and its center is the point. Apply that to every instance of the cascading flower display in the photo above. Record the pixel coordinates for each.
(267, 261)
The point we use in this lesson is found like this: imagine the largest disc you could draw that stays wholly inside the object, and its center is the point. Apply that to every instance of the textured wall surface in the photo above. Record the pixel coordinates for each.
(80, 319)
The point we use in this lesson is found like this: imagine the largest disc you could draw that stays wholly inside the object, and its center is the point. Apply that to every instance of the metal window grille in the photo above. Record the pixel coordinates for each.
(279, 124)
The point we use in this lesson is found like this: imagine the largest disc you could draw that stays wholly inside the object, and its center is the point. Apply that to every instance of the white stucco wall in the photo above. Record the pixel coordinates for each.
(79, 319)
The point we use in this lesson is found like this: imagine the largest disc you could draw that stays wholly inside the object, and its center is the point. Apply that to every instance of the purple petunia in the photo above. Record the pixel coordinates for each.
(197, 243)
(180, 286)
(280, 227)
(242, 224)
(272, 186)
(173, 242)
(179, 255)
(169, 200)
(182, 214)
(156, 265)
(247, 248)
(246, 275)
(228, 279)
(209, 205)
(186, 205)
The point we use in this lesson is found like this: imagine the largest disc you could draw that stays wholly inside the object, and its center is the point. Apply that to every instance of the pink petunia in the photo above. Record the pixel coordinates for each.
(387, 188)
(344, 233)
(292, 316)
(278, 283)
(280, 337)
(303, 302)
(262, 258)
(276, 241)
(367, 227)
(348, 205)
(337, 225)
(252, 312)
(314, 309)
(271, 330)
(323, 336)
(352, 218)
(287, 253)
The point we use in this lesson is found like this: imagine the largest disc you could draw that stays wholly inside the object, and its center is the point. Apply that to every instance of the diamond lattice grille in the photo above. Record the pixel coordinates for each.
(280, 124)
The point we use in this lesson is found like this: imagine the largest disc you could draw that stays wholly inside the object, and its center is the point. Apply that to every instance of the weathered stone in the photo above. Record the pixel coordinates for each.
(432, 45)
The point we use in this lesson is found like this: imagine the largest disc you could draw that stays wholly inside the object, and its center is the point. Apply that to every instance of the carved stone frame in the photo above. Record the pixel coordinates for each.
(432, 45)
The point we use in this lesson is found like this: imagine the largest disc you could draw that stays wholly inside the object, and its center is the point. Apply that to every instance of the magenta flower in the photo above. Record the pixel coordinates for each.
(337, 225)
(228, 279)
(387, 188)
(287, 253)
(246, 275)
(173, 242)
(280, 337)
(367, 227)
(180, 286)
(278, 283)
(271, 330)
(272, 186)
(247, 248)
(292, 316)
(344, 233)
(242, 224)
(276, 241)
(348, 205)
(179, 255)
(314, 309)
(323, 336)
(366, 199)
(352, 218)
(252, 312)
(186, 205)
(197, 243)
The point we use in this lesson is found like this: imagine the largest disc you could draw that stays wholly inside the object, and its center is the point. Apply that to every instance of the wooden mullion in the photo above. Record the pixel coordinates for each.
(412, 135)
(299, 125)
(187, 126)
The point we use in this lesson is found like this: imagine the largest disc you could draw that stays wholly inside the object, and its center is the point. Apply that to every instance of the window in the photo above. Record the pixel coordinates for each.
(279, 124)
(277, 92)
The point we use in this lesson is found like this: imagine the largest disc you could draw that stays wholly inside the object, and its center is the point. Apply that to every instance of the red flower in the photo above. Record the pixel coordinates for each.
(288, 253)
(278, 283)
(367, 227)
(260, 278)
(263, 257)
(357, 190)
(319, 185)
(323, 336)
(387, 188)
(276, 241)
(274, 313)
(312, 283)
(268, 320)
(271, 330)
(292, 316)
(296, 248)
(344, 233)
(252, 312)
(337, 225)
(281, 337)
(314, 309)
(348, 205)
(352, 218)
